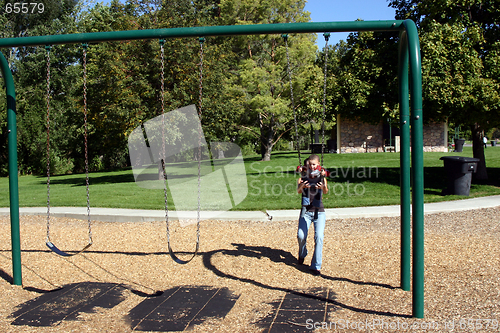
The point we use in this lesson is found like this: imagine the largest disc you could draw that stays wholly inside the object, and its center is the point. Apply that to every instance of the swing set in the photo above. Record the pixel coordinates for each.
(409, 68)
(49, 242)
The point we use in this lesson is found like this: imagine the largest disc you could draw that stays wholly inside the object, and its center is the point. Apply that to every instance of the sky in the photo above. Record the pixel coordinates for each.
(347, 10)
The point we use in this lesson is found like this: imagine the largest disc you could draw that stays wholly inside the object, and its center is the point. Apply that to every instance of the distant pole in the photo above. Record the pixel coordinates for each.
(390, 131)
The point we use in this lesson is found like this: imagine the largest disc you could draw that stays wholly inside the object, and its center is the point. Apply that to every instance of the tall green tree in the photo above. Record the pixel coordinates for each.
(460, 57)
(28, 65)
(259, 85)
(120, 91)
(363, 83)
(124, 77)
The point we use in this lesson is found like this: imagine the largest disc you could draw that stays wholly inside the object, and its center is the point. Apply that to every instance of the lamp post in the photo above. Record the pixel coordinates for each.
(389, 120)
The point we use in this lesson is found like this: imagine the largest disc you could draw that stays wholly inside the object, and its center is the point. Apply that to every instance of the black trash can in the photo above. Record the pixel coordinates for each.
(332, 145)
(459, 170)
(459, 145)
(316, 148)
(493, 143)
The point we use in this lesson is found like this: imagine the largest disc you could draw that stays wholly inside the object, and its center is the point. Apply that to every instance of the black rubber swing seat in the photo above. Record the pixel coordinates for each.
(179, 261)
(56, 250)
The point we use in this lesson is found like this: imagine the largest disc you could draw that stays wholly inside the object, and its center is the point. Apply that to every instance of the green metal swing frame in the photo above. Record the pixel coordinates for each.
(409, 70)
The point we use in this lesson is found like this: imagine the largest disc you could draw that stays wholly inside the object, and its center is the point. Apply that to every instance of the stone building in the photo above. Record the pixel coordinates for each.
(358, 137)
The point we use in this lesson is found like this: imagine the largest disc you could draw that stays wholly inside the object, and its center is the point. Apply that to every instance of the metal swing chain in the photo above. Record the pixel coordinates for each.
(327, 37)
(47, 48)
(199, 150)
(285, 37)
(162, 99)
(86, 136)
(200, 105)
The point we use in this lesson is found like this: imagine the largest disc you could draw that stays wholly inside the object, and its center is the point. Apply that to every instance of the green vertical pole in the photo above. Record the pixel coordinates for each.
(13, 179)
(404, 161)
(417, 162)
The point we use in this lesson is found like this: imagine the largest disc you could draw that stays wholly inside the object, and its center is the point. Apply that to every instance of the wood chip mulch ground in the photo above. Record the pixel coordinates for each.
(246, 278)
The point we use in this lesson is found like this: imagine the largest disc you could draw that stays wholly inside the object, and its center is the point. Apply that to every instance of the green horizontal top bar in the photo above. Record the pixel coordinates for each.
(228, 30)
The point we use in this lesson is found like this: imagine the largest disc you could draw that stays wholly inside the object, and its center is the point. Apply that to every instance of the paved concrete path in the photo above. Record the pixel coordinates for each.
(139, 215)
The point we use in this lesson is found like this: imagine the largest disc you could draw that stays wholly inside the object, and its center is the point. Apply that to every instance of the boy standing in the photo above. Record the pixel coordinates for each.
(312, 211)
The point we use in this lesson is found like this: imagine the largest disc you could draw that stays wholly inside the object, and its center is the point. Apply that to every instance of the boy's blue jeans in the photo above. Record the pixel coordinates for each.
(318, 219)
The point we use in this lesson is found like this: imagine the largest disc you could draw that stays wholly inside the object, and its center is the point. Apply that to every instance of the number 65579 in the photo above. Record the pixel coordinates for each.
(24, 8)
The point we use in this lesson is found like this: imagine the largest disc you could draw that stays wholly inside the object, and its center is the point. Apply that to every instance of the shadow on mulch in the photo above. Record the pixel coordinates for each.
(296, 310)
(68, 303)
(281, 256)
(6, 277)
(176, 309)
(181, 308)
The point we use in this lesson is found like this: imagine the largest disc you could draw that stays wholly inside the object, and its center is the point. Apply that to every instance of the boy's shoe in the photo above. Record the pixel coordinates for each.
(315, 272)
(301, 261)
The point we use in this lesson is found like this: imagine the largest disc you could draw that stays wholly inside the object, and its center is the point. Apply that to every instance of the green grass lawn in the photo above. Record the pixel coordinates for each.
(357, 180)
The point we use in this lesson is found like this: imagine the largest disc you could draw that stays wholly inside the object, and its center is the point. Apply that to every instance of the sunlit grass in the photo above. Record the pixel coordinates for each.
(357, 180)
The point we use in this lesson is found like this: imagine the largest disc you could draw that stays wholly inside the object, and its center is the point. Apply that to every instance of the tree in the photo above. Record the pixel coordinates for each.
(28, 65)
(363, 84)
(460, 57)
(124, 77)
(121, 83)
(259, 87)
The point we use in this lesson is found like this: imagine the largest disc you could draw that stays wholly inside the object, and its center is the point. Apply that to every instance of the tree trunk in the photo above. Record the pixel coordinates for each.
(267, 141)
(262, 136)
(267, 145)
(267, 154)
(478, 152)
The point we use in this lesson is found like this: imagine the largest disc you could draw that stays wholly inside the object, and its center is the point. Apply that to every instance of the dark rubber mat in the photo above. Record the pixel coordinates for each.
(181, 308)
(67, 303)
(296, 309)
